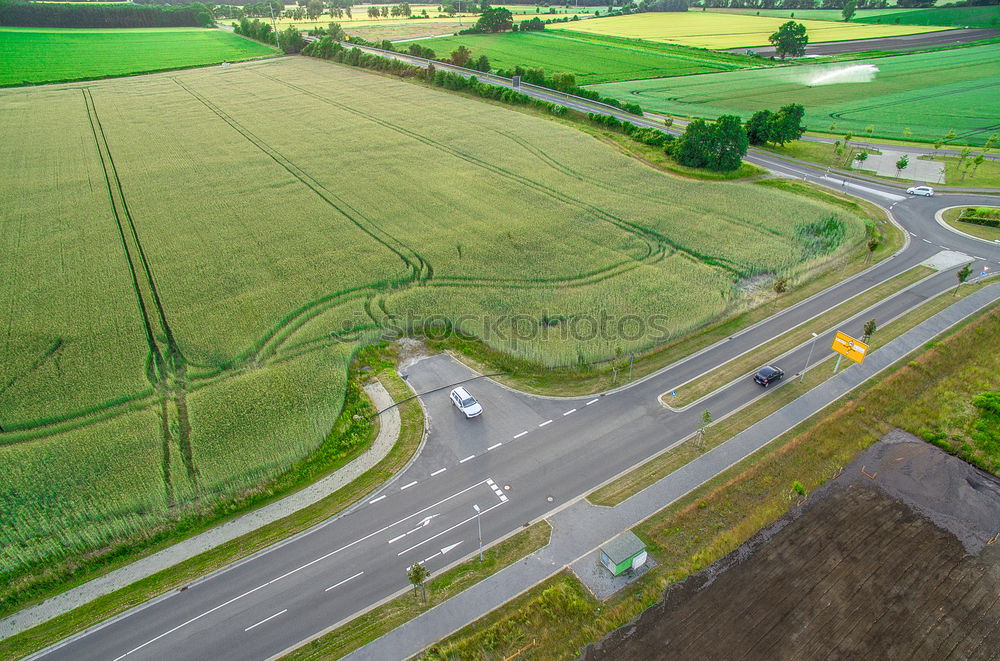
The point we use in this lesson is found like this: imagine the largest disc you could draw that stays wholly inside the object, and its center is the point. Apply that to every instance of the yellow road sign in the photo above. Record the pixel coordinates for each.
(848, 346)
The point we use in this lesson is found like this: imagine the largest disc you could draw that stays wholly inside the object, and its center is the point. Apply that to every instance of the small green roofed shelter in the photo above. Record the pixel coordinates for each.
(624, 552)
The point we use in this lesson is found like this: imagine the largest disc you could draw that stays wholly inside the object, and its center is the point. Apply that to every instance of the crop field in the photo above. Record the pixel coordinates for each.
(973, 17)
(184, 286)
(44, 55)
(594, 59)
(928, 93)
(715, 30)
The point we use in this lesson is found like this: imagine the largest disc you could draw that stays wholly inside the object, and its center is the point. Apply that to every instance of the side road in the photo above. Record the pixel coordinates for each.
(582, 527)
(170, 556)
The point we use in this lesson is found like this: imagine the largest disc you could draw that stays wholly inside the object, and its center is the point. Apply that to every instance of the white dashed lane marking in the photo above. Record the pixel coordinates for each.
(494, 446)
(265, 620)
(375, 500)
(438, 471)
(547, 422)
(591, 401)
(407, 486)
(337, 585)
(469, 458)
(517, 436)
(568, 412)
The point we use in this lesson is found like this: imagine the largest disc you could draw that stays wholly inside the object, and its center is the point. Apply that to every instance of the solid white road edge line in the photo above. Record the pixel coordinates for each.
(337, 585)
(265, 620)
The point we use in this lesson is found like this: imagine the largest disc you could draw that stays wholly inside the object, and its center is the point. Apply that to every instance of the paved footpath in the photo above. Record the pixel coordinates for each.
(582, 527)
(170, 556)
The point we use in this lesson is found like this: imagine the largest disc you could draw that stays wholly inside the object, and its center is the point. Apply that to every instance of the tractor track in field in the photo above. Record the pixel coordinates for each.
(594, 181)
(166, 373)
(643, 233)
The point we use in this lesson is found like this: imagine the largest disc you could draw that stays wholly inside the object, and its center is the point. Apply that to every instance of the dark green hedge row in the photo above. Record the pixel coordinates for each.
(124, 15)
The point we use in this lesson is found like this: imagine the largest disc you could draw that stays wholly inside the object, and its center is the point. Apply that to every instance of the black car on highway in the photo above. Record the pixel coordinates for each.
(765, 376)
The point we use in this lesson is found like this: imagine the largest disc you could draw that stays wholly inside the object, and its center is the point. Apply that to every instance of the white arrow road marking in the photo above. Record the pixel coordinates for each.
(443, 532)
(423, 524)
(265, 620)
(337, 585)
(441, 552)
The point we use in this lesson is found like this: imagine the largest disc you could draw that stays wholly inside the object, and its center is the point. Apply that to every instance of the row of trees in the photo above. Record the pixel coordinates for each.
(722, 144)
(124, 15)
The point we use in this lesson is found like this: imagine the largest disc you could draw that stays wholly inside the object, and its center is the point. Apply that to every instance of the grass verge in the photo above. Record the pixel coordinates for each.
(100, 609)
(950, 216)
(586, 379)
(556, 618)
(727, 372)
(658, 467)
(984, 175)
(382, 619)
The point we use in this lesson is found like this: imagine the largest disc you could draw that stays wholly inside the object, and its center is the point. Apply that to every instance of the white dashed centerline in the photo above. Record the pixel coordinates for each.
(265, 620)
(547, 422)
(375, 500)
(591, 401)
(438, 471)
(407, 486)
(469, 458)
(925, 240)
(337, 585)
(517, 436)
(568, 412)
(494, 446)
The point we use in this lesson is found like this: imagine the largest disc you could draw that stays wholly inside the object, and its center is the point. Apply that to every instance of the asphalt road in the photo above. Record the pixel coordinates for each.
(523, 458)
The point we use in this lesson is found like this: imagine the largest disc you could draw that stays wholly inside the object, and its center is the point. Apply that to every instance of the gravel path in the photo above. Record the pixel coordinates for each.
(170, 556)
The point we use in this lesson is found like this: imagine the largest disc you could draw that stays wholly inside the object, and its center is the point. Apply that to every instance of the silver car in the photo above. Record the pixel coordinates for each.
(921, 190)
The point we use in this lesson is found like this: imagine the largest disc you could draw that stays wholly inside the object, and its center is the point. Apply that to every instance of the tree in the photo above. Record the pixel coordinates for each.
(730, 143)
(706, 420)
(760, 127)
(417, 574)
(861, 158)
(901, 164)
(482, 64)
(717, 146)
(870, 327)
(204, 19)
(850, 7)
(460, 56)
(949, 136)
(347, 10)
(373, 12)
(292, 40)
(977, 161)
(790, 39)
(963, 275)
(991, 142)
(788, 123)
(335, 31)
(497, 19)
(384, 12)
(314, 9)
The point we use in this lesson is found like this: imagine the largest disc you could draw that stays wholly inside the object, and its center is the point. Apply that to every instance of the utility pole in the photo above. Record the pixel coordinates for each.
(274, 25)
(479, 526)
(809, 358)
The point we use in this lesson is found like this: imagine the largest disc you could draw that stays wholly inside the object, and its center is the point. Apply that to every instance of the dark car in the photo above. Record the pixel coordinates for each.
(765, 376)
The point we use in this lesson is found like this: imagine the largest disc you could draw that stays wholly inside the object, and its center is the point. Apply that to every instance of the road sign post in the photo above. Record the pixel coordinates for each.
(846, 345)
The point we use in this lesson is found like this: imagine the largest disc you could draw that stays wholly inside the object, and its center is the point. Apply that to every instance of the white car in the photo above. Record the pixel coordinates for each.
(921, 190)
(465, 402)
